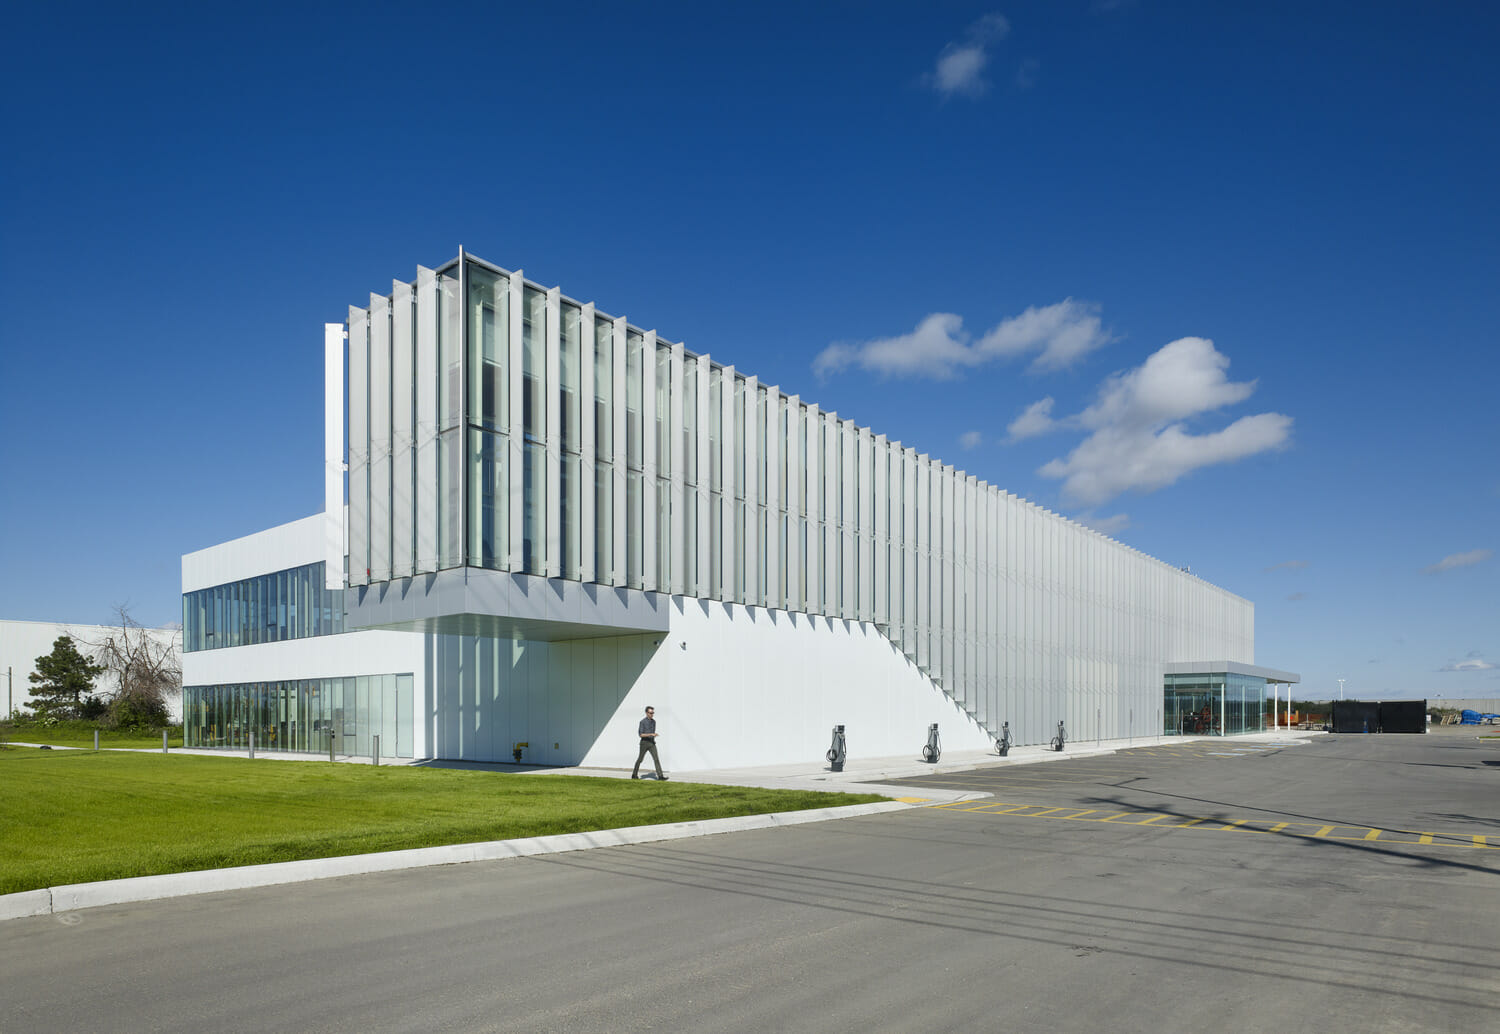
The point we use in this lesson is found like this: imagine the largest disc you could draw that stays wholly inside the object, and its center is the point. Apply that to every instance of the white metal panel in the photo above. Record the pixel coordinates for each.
(751, 545)
(812, 536)
(775, 587)
(425, 431)
(359, 446)
(334, 534)
(515, 437)
(729, 443)
(380, 438)
(619, 470)
(703, 576)
(402, 549)
(552, 562)
(677, 504)
(648, 461)
(586, 458)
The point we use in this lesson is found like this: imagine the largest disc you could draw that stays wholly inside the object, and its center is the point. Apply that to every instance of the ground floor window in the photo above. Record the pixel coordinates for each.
(301, 714)
(1215, 704)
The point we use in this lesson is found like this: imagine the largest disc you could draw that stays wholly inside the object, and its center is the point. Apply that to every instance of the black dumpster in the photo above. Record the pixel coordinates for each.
(1403, 716)
(1356, 716)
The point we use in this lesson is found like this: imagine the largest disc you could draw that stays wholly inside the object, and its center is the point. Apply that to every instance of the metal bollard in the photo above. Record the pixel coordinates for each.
(252, 745)
(96, 741)
(375, 743)
(330, 744)
(164, 741)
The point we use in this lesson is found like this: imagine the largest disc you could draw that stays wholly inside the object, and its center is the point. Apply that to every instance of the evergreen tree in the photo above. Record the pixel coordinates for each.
(63, 683)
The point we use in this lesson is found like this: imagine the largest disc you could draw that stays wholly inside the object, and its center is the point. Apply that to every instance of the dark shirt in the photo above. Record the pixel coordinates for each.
(648, 726)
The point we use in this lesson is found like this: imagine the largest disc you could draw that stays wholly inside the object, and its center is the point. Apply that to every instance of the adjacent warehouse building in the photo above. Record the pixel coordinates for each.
(555, 517)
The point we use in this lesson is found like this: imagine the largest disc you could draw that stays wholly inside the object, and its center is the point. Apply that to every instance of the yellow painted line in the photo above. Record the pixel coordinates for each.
(1044, 811)
(1324, 831)
(1374, 834)
(1154, 818)
(1278, 827)
(1116, 815)
(1230, 826)
(1480, 840)
(1425, 838)
(1080, 814)
(913, 800)
(1190, 822)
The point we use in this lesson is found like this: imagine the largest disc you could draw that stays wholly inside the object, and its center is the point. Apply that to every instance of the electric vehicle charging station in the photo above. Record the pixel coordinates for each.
(838, 751)
(934, 749)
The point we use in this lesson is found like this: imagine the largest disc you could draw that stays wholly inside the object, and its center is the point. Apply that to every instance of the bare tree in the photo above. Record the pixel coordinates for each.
(147, 671)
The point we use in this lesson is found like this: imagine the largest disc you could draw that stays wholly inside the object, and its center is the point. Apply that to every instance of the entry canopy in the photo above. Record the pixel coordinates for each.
(1230, 668)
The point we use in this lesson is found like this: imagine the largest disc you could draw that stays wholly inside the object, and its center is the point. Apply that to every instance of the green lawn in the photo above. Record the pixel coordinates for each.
(77, 816)
(81, 734)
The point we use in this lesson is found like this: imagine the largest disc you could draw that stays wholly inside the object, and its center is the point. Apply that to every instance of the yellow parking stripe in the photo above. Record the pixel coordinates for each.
(1159, 820)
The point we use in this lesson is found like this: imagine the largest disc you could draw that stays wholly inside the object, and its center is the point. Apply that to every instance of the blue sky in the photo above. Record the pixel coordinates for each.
(1248, 251)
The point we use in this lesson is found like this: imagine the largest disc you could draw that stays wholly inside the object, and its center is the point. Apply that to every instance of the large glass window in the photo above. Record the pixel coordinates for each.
(301, 715)
(265, 609)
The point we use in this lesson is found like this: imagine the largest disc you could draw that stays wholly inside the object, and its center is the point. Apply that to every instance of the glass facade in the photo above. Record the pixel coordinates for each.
(271, 608)
(1213, 704)
(299, 715)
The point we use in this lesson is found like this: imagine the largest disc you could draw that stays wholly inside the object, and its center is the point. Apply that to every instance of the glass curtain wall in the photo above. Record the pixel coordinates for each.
(270, 608)
(299, 715)
(1213, 704)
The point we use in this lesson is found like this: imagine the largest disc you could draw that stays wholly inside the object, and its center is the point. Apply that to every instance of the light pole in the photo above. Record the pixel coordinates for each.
(1341, 688)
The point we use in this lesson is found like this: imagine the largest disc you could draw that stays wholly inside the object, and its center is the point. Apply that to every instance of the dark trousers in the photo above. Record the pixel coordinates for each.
(647, 746)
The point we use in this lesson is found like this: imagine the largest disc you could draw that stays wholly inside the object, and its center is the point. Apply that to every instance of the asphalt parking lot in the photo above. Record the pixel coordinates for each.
(1147, 890)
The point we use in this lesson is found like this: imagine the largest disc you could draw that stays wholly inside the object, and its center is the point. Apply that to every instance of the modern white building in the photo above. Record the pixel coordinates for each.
(554, 517)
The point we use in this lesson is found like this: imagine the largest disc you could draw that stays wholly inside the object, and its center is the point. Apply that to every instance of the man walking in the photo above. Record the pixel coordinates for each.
(648, 743)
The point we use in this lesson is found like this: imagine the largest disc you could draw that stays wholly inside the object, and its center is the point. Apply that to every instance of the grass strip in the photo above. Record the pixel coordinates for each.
(76, 817)
(81, 734)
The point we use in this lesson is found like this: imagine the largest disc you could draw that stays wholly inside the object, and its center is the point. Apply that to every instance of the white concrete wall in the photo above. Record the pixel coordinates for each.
(732, 686)
(275, 549)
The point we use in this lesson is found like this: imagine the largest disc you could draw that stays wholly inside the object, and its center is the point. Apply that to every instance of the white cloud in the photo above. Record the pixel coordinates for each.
(1034, 420)
(939, 347)
(960, 66)
(1139, 441)
(1287, 565)
(1468, 666)
(1062, 334)
(971, 439)
(1469, 559)
(1105, 525)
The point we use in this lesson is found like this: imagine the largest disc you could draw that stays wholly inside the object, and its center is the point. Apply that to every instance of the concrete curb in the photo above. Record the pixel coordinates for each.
(171, 885)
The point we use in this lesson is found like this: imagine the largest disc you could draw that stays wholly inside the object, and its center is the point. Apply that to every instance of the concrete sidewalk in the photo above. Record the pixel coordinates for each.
(860, 775)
